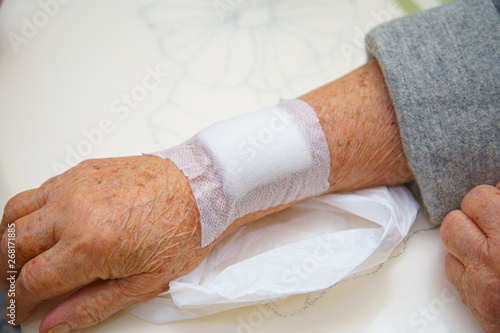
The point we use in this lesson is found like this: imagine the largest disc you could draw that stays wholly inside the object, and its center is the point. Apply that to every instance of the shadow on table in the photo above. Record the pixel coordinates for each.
(4, 327)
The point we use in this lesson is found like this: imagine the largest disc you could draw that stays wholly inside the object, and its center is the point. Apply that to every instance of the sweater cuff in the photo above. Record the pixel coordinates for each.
(442, 70)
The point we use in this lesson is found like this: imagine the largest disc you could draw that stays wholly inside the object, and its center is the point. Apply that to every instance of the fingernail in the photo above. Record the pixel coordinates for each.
(60, 328)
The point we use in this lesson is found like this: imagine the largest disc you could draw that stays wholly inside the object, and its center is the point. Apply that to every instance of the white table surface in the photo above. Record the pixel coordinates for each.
(70, 74)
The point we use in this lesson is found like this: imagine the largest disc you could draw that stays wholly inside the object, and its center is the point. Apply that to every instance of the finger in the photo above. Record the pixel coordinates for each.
(482, 205)
(53, 273)
(21, 205)
(32, 237)
(462, 237)
(455, 272)
(98, 301)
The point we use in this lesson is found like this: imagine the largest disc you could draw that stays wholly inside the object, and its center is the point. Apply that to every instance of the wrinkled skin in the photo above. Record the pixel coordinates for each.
(472, 236)
(116, 231)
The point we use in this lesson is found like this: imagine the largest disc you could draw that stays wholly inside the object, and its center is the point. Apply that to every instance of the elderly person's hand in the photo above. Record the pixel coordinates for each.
(112, 231)
(472, 236)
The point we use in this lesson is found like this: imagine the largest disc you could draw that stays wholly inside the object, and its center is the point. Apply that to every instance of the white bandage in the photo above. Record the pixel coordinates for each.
(253, 162)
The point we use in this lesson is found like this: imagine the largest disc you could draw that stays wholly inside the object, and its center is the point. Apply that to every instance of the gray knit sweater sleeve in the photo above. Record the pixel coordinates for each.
(442, 68)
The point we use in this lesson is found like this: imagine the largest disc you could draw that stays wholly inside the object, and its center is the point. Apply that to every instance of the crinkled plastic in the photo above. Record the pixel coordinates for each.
(308, 247)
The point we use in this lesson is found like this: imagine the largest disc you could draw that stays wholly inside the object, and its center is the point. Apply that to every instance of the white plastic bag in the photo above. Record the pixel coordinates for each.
(308, 247)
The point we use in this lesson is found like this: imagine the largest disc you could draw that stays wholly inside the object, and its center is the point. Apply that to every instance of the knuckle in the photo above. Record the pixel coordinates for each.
(10, 205)
(475, 197)
(451, 217)
(49, 182)
(89, 163)
(448, 226)
(480, 190)
(88, 248)
(85, 163)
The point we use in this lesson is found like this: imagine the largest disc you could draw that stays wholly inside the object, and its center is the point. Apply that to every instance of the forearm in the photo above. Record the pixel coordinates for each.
(362, 133)
(361, 129)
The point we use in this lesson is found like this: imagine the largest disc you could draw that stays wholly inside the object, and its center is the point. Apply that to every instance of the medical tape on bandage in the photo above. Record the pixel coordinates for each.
(253, 162)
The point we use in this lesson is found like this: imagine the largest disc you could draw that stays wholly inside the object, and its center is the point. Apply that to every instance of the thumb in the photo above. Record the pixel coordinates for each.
(97, 302)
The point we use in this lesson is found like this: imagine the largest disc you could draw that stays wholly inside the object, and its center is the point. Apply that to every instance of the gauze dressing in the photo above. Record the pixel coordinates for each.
(253, 162)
